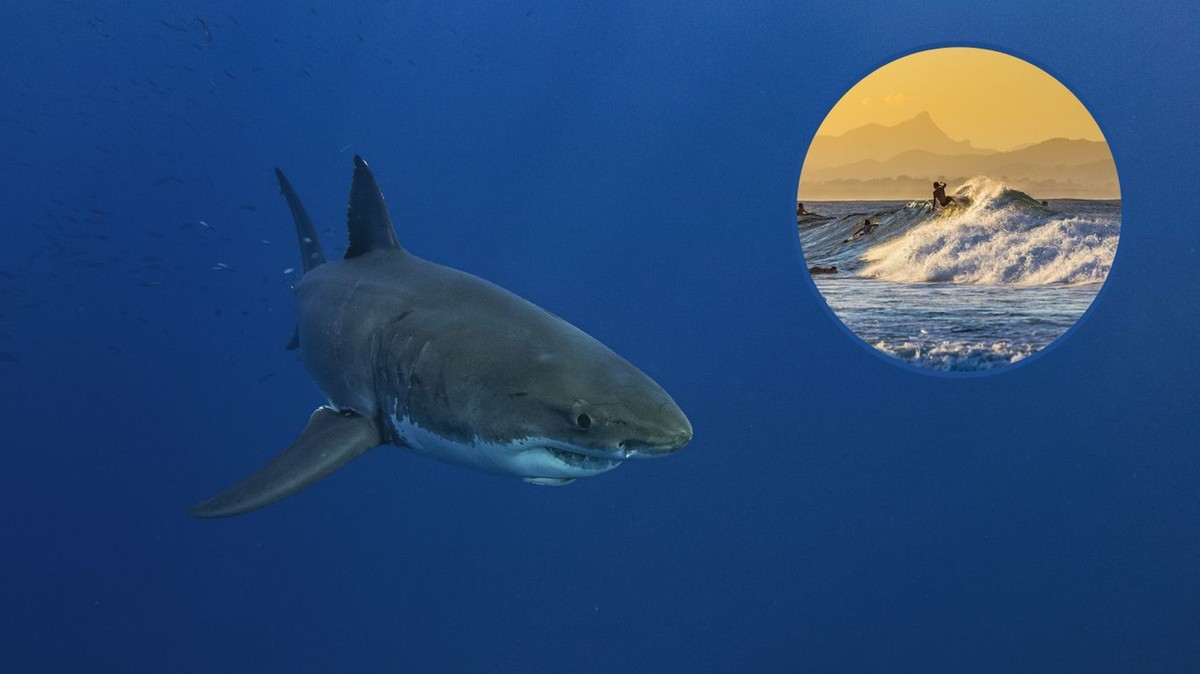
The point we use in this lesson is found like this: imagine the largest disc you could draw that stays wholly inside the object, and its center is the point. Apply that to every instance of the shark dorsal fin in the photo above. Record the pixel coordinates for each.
(367, 218)
(306, 233)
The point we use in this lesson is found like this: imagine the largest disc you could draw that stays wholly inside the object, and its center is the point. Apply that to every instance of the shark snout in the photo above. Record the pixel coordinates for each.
(641, 449)
(669, 437)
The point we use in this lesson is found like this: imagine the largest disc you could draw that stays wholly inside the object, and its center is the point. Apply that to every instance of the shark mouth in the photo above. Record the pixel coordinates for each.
(535, 459)
(584, 462)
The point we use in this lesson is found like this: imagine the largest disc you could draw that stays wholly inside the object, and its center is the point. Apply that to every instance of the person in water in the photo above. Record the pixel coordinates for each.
(939, 195)
(866, 228)
(800, 209)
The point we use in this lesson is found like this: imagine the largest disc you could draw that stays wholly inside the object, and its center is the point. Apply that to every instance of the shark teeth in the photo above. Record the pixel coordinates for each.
(582, 461)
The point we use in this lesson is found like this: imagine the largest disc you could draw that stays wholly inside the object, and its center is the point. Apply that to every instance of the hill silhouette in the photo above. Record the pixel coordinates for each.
(890, 162)
(875, 141)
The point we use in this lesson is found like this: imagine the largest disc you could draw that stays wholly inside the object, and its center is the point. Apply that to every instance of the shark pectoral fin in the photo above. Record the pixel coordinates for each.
(330, 441)
(295, 343)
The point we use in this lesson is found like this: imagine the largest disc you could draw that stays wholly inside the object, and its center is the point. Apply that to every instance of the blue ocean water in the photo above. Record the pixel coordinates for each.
(631, 167)
(981, 286)
(952, 328)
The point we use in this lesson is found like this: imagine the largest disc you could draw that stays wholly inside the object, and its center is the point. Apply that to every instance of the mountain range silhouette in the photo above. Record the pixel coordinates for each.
(901, 161)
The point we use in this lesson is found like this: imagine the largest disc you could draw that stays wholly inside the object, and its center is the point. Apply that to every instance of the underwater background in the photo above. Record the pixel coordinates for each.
(631, 167)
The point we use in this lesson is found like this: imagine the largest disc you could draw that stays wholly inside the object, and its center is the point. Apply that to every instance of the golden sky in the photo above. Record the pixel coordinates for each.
(994, 100)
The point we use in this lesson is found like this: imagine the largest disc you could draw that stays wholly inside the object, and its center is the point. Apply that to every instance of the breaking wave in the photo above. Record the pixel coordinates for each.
(995, 236)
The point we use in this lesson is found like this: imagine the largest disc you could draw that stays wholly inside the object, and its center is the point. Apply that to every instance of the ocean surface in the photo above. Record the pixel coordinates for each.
(985, 284)
(632, 168)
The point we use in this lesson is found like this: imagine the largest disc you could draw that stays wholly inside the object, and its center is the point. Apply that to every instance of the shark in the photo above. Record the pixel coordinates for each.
(413, 354)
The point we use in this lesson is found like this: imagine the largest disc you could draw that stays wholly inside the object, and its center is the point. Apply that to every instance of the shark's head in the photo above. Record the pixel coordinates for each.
(585, 412)
(547, 408)
(579, 403)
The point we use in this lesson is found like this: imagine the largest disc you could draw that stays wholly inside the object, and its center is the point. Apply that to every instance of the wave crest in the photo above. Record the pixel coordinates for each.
(998, 235)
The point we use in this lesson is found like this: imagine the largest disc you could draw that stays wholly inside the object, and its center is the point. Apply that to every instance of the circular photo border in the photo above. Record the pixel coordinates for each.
(985, 216)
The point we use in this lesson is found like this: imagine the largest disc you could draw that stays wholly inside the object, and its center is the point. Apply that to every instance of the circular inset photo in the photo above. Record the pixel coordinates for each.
(959, 209)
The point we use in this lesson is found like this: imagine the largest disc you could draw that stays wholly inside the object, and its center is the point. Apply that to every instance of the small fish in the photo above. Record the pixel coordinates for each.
(221, 266)
(266, 242)
(288, 270)
(205, 225)
(265, 377)
(207, 32)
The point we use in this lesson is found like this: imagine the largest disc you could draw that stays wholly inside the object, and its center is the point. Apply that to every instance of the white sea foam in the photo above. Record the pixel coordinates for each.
(1001, 237)
(958, 356)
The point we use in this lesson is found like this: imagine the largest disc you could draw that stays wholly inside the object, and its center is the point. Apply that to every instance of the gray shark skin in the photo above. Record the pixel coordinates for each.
(450, 366)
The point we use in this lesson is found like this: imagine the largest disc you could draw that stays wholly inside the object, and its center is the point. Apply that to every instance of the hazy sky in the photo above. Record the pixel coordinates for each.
(994, 100)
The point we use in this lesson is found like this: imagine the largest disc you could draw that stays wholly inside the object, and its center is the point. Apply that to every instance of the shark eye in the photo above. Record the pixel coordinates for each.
(584, 421)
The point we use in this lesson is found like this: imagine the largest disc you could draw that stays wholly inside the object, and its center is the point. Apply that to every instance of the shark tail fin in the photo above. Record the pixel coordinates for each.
(331, 440)
(367, 217)
(306, 233)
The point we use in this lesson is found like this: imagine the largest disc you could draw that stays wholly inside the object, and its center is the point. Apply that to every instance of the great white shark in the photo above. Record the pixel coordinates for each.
(432, 359)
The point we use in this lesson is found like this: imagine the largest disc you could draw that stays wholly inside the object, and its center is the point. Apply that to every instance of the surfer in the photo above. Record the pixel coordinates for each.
(866, 228)
(800, 209)
(939, 195)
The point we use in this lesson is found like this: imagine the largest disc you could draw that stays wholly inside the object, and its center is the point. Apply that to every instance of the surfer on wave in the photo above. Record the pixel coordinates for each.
(939, 196)
(866, 228)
